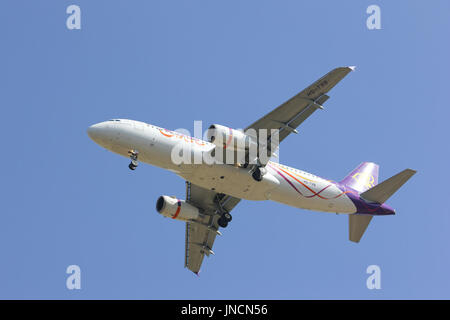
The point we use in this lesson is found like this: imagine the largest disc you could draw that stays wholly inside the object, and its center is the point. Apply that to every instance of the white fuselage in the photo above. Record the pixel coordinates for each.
(281, 183)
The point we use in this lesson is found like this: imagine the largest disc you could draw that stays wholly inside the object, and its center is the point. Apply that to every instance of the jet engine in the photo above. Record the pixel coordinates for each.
(225, 138)
(174, 208)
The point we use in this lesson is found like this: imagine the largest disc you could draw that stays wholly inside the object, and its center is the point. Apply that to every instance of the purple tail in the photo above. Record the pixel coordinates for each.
(364, 177)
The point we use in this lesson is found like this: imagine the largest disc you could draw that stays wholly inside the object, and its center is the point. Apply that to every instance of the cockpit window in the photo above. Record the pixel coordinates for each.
(114, 120)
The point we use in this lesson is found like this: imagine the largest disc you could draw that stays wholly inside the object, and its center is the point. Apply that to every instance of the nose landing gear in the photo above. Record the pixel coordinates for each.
(134, 157)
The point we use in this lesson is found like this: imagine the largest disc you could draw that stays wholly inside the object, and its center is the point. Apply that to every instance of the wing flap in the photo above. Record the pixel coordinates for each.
(199, 241)
(201, 234)
(298, 119)
(297, 109)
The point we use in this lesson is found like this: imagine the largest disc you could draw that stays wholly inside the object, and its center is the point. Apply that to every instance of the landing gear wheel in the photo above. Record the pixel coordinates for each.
(227, 216)
(133, 156)
(257, 175)
(224, 219)
(222, 222)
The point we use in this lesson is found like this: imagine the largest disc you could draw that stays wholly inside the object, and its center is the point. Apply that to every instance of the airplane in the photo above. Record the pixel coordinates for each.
(214, 188)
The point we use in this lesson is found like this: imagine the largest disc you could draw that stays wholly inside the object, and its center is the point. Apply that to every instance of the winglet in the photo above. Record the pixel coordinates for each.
(352, 68)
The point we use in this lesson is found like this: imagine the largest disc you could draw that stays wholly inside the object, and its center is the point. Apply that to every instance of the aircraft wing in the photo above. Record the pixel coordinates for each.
(200, 234)
(288, 116)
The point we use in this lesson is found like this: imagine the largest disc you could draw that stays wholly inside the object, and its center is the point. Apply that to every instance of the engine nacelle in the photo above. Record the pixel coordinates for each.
(174, 208)
(227, 138)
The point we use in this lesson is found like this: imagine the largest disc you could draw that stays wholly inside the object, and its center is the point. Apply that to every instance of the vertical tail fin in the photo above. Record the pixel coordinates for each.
(364, 177)
(357, 223)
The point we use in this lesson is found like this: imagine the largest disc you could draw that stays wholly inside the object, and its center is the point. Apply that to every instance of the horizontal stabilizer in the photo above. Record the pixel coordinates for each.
(357, 224)
(383, 191)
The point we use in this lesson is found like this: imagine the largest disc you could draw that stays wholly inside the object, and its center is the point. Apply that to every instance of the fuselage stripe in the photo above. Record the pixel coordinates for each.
(314, 192)
(297, 175)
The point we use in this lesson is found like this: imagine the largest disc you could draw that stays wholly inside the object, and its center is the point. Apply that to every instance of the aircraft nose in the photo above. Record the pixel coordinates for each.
(98, 132)
(94, 131)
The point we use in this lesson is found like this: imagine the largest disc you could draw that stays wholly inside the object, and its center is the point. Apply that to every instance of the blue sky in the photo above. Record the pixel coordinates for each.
(67, 201)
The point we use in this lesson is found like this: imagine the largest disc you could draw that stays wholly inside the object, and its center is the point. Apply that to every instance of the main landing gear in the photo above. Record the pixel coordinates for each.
(258, 173)
(225, 216)
(224, 219)
(134, 157)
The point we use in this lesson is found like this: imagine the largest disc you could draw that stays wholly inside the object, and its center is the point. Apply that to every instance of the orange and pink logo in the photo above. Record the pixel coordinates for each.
(177, 135)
